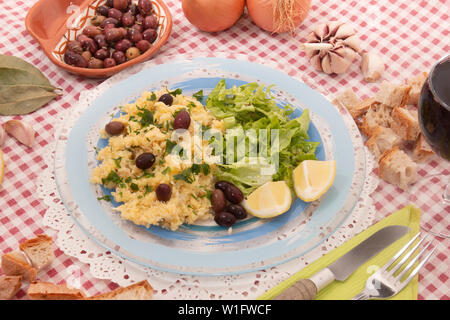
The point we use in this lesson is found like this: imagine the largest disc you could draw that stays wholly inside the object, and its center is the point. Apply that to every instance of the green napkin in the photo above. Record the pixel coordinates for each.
(408, 216)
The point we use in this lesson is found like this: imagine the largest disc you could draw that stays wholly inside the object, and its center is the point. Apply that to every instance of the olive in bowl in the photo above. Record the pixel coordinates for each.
(102, 16)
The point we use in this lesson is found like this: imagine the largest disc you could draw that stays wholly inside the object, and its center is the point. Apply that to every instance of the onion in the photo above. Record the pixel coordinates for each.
(213, 15)
(278, 16)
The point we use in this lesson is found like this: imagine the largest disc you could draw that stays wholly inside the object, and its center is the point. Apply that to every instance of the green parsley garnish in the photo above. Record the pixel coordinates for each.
(134, 187)
(176, 92)
(146, 117)
(152, 97)
(112, 177)
(198, 95)
(117, 161)
(105, 198)
(148, 189)
(166, 170)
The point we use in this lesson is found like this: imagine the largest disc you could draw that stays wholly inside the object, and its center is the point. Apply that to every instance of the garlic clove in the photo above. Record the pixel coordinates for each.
(326, 64)
(353, 42)
(21, 130)
(344, 31)
(2, 135)
(333, 26)
(372, 66)
(338, 63)
(347, 53)
(316, 62)
(321, 31)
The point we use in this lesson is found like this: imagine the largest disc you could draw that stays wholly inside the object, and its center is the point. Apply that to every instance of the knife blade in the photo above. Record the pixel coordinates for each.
(342, 268)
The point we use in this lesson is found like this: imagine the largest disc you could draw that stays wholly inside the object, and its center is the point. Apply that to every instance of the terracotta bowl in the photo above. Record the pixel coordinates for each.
(54, 23)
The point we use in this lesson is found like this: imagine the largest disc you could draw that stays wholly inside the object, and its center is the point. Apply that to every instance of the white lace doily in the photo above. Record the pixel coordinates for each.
(105, 265)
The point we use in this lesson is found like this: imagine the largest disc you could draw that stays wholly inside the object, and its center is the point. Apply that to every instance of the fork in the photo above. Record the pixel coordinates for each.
(384, 283)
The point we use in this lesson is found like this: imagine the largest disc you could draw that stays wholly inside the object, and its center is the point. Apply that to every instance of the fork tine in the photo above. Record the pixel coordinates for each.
(406, 257)
(416, 270)
(413, 261)
(399, 253)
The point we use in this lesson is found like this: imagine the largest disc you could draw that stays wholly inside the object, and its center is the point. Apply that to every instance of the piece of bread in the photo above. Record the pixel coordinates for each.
(51, 291)
(393, 95)
(39, 251)
(422, 150)
(15, 264)
(405, 123)
(9, 285)
(348, 100)
(139, 291)
(396, 167)
(378, 115)
(416, 84)
(381, 140)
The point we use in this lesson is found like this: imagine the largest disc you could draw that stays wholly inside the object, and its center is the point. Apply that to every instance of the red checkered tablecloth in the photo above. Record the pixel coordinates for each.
(410, 35)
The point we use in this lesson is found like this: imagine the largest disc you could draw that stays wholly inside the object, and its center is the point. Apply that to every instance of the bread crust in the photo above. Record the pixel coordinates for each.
(49, 291)
(112, 295)
(9, 286)
(45, 256)
(405, 123)
(15, 264)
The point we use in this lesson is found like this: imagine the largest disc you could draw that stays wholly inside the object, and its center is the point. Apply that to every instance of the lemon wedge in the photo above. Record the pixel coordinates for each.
(2, 166)
(312, 178)
(269, 200)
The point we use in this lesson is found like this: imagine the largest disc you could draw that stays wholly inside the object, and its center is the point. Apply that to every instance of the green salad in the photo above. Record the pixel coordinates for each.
(252, 106)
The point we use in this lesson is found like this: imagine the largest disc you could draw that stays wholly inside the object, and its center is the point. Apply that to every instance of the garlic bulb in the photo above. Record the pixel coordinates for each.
(20, 130)
(372, 66)
(332, 47)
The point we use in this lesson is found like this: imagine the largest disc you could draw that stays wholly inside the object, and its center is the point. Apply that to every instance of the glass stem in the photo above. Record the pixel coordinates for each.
(446, 195)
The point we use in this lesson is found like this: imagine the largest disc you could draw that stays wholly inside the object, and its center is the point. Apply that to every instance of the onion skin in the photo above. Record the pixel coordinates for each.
(213, 15)
(262, 14)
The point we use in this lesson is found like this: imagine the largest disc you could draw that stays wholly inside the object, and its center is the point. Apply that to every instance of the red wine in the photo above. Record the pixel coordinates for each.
(434, 109)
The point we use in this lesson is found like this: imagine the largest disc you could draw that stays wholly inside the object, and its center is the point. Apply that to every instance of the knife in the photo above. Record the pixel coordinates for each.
(342, 268)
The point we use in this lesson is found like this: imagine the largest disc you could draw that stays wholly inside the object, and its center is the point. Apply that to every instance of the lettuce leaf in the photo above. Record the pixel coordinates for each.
(253, 107)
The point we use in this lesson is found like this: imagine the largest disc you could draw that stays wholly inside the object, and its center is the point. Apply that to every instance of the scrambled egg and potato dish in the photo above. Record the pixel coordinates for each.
(147, 128)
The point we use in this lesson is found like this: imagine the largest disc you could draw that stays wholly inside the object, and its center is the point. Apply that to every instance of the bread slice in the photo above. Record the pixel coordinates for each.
(393, 95)
(39, 251)
(9, 285)
(381, 140)
(51, 291)
(416, 84)
(405, 123)
(422, 150)
(138, 291)
(378, 115)
(15, 264)
(396, 167)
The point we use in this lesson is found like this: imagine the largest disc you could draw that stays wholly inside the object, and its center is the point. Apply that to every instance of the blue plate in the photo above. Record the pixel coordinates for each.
(205, 248)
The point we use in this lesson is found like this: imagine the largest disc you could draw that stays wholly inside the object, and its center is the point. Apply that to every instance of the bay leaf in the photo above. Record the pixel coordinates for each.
(7, 61)
(26, 102)
(17, 76)
(23, 87)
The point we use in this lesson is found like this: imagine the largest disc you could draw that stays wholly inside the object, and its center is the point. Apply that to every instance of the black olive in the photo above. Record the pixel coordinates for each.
(218, 201)
(233, 194)
(225, 219)
(114, 128)
(163, 192)
(182, 120)
(222, 185)
(145, 161)
(237, 211)
(167, 99)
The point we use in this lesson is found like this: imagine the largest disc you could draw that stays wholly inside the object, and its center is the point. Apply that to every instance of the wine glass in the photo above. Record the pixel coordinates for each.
(434, 118)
